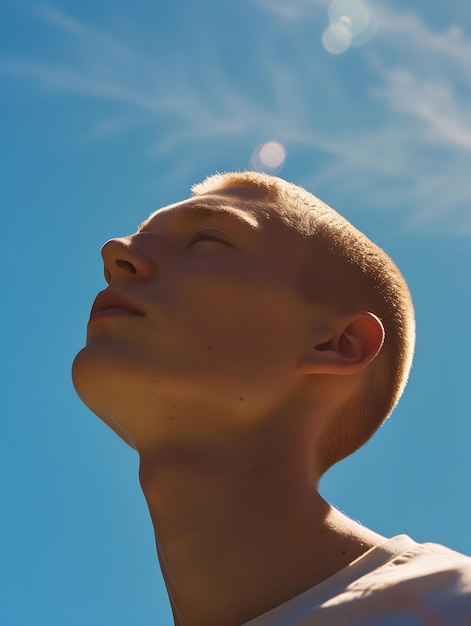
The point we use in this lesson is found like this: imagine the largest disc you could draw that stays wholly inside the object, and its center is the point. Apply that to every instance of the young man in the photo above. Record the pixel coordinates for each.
(250, 338)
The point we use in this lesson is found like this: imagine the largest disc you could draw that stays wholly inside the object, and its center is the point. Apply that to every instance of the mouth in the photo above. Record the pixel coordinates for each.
(111, 303)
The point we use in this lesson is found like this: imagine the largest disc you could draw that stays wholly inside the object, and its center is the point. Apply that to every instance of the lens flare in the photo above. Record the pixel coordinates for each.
(354, 10)
(336, 38)
(351, 23)
(268, 157)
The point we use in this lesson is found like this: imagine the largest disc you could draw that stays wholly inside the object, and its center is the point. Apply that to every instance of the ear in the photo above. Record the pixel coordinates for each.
(348, 348)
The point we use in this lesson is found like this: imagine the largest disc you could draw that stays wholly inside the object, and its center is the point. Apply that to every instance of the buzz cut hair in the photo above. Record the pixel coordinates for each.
(365, 279)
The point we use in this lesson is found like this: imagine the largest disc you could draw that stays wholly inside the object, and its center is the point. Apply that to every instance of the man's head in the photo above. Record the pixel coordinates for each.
(232, 297)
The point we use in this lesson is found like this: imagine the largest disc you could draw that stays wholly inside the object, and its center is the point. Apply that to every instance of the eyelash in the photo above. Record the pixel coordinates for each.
(210, 236)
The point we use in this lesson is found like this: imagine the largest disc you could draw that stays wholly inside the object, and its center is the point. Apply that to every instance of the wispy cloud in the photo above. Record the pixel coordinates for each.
(444, 117)
(404, 31)
(50, 14)
(401, 135)
(293, 9)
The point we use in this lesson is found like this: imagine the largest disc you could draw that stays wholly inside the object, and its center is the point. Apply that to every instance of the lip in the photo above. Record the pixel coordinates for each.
(112, 303)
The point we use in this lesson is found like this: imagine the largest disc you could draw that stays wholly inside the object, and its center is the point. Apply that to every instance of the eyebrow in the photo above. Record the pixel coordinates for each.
(198, 211)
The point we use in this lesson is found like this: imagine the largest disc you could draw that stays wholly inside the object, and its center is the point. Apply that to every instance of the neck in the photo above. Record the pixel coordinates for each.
(239, 531)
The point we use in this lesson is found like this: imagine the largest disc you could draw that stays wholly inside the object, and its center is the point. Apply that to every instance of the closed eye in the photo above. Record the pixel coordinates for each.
(210, 235)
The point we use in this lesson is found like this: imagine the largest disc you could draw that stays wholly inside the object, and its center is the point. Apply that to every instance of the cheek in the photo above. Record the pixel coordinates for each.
(247, 300)
(252, 325)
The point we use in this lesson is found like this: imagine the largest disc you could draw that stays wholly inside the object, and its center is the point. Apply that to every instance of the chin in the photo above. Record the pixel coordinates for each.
(87, 378)
(79, 373)
(95, 383)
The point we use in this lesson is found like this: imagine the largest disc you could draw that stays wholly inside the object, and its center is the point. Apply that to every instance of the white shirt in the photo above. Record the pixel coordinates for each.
(398, 583)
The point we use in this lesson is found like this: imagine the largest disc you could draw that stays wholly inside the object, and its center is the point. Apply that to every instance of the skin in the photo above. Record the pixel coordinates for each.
(224, 385)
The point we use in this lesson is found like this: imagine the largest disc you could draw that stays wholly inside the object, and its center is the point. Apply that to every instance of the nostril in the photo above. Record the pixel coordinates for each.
(126, 265)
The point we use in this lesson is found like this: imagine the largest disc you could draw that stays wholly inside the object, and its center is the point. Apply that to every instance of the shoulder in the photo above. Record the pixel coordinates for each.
(426, 562)
(422, 577)
(398, 582)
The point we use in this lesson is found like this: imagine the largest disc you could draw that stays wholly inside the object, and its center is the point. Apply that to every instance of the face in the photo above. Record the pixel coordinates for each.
(201, 327)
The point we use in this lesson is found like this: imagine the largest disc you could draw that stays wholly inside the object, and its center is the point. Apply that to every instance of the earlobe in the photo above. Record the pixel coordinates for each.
(349, 348)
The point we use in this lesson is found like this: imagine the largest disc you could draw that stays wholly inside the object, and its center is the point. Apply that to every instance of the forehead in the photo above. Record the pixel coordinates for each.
(206, 206)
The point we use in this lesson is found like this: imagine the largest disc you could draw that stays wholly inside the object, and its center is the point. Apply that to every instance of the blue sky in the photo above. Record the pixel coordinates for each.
(110, 110)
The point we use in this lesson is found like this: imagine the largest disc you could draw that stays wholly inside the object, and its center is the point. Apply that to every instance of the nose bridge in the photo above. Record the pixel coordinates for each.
(124, 259)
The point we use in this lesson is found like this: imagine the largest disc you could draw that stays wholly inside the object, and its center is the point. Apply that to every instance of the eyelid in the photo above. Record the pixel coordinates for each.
(209, 234)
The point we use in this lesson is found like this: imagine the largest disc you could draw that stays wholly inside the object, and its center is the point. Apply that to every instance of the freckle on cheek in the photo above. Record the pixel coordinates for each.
(241, 399)
(210, 347)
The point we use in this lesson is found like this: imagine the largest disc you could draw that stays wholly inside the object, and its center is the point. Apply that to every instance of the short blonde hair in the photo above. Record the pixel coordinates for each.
(366, 280)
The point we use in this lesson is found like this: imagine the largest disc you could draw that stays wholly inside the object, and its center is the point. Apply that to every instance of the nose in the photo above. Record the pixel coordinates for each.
(123, 261)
